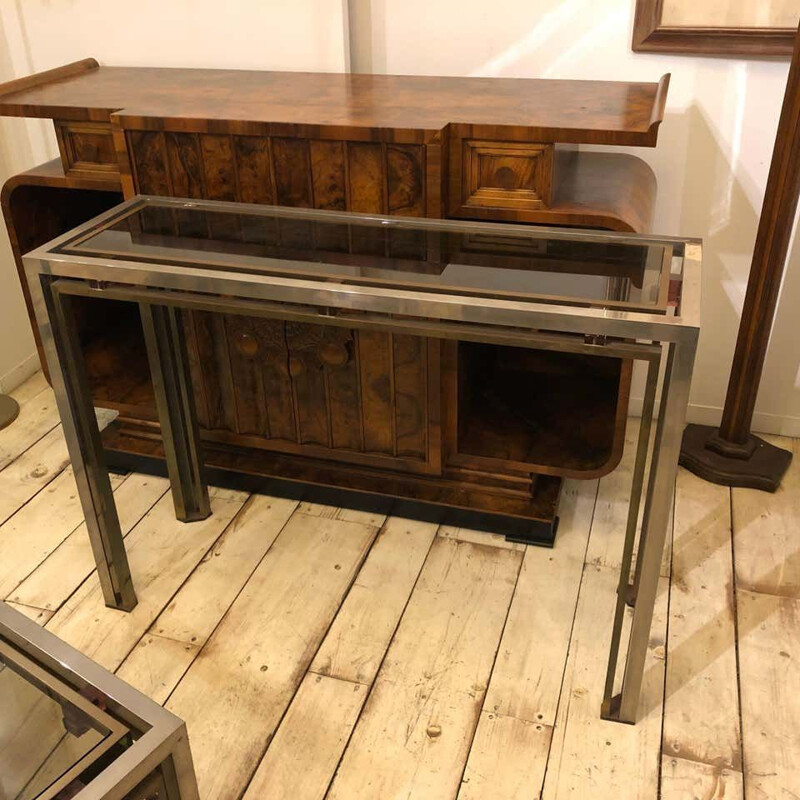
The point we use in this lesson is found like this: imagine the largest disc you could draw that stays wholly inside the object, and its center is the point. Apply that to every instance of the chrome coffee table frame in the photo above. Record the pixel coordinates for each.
(162, 742)
(665, 342)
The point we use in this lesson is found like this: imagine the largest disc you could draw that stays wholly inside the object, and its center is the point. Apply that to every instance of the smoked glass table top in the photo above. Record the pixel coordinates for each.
(457, 258)
(50, 735)
(70, 729)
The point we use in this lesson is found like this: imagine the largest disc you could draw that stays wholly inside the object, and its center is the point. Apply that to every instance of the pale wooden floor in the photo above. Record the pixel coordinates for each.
(322, 652)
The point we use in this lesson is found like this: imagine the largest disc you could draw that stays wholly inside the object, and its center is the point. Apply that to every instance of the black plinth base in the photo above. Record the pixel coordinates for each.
(756, 465)
(541, 532)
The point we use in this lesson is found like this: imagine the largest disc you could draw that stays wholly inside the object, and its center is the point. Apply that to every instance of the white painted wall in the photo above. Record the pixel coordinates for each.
(711, 161)
(238, 34)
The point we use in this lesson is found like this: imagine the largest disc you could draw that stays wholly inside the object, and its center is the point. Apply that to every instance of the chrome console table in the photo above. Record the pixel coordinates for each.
(120, 255)
(69, 728)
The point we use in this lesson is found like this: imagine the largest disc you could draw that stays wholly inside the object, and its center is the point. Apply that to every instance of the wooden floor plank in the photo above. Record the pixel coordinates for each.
(479, 537)
(691, 780)
(415, 731)
(198, 607)
(30, 388)
(611, 511)
(258, 655)
(69, 564)
(527, 676)
(513, 736)
(769, 660)
(160, 659)
(303, 756)
(701, 710)
(37, 415)
(156, 665)
(363, 628)
(375, 517)
(38, 528)
(425, 710)
(322, 715)
(29, 473)
(765, 529)
(507, 760)
(589, 756)
(162, 552)
(38, 615)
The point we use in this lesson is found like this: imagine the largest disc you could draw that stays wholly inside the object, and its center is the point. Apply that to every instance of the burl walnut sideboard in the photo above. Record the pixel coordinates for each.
(385, 412)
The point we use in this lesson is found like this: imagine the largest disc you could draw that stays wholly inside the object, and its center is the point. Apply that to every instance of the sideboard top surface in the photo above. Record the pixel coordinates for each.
(602, 112)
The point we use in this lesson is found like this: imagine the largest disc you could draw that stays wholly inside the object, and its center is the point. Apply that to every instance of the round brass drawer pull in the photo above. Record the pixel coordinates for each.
(334, 355)
(246, 344)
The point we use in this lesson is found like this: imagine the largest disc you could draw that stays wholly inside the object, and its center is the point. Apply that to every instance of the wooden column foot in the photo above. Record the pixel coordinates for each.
(756, 465)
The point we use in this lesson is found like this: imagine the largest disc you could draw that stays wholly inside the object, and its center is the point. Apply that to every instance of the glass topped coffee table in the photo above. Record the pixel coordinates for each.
(598, 298)
(70, 729)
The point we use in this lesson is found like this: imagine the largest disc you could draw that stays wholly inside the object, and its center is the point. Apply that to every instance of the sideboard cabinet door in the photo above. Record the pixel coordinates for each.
(367, 397)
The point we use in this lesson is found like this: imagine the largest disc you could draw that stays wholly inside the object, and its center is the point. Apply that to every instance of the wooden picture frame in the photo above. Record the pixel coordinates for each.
(652, 35)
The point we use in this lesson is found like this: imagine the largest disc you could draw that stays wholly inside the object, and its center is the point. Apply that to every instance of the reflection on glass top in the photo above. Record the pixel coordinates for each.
(478, 259)
(46, 739)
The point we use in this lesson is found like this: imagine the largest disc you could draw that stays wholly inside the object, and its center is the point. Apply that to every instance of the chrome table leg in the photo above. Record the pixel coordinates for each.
(56, 320)
(626, 591)
(663, 470)
(166, 352)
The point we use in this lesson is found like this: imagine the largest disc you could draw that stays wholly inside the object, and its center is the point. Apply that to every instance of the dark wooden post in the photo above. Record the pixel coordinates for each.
(732, 455)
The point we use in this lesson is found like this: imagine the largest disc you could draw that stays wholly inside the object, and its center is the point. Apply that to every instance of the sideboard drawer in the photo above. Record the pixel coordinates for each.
(503, 175)
(87, 148)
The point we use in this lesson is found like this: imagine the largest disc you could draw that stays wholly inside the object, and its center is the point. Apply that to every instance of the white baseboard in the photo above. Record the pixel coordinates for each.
(712, 415)
(19, 374)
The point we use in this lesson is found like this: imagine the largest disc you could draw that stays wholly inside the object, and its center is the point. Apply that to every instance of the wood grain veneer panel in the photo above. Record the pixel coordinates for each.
(195, 368)
(405, 178)
(246, 358)
(217, 380)
(148, 157)
(377, 391)
(218, 167)
(308, 382)
(367, 179)
(410, 394)
(219, 176)
(328, 175)
(87, 148)
(292, 172)
(372, 107)
(344, 392)
(259, 359)
(253, 169)
(185, 164)
(271, 337)
(151, 176)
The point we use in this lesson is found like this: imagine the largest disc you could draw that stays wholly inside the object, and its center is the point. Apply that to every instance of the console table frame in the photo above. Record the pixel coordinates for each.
(666, 343)
(163, 744)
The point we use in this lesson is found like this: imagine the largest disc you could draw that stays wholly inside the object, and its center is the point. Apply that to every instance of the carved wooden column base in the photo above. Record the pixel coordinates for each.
(9, 409)
(756, 464)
